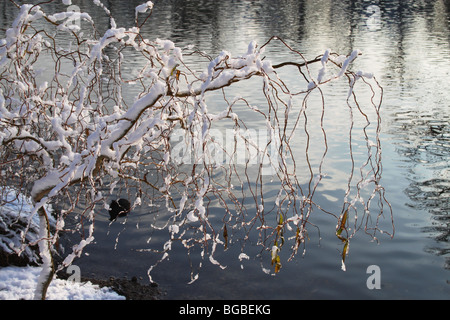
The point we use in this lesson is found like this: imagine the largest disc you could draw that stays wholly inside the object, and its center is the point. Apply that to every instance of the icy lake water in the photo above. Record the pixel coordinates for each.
(407, 46)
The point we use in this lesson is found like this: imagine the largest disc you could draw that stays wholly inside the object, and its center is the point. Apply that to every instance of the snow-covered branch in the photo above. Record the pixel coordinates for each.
(69, 130)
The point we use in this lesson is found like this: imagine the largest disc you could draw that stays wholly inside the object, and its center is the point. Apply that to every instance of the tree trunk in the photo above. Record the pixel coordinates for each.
(48, 269)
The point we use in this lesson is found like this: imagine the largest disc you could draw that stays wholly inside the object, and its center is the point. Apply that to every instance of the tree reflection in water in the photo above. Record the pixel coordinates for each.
(427, 145)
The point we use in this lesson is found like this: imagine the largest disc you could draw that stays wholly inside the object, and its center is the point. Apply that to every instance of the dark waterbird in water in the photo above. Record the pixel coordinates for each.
(119, 208)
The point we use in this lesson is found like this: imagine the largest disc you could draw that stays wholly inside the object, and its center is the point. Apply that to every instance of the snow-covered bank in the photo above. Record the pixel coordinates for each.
(18, 228)
(18, 283)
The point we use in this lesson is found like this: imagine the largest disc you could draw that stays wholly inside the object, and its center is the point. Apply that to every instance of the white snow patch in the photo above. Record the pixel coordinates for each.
(18, 283)
(144, 7)
(243, 256)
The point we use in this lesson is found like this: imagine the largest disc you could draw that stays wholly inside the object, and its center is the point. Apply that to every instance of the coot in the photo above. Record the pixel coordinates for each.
(119, 208)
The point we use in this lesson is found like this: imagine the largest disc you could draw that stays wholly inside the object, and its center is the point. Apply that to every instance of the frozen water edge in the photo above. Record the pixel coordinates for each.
(17, 283)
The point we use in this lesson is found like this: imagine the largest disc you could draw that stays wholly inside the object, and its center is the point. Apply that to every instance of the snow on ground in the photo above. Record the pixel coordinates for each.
(18, 283)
